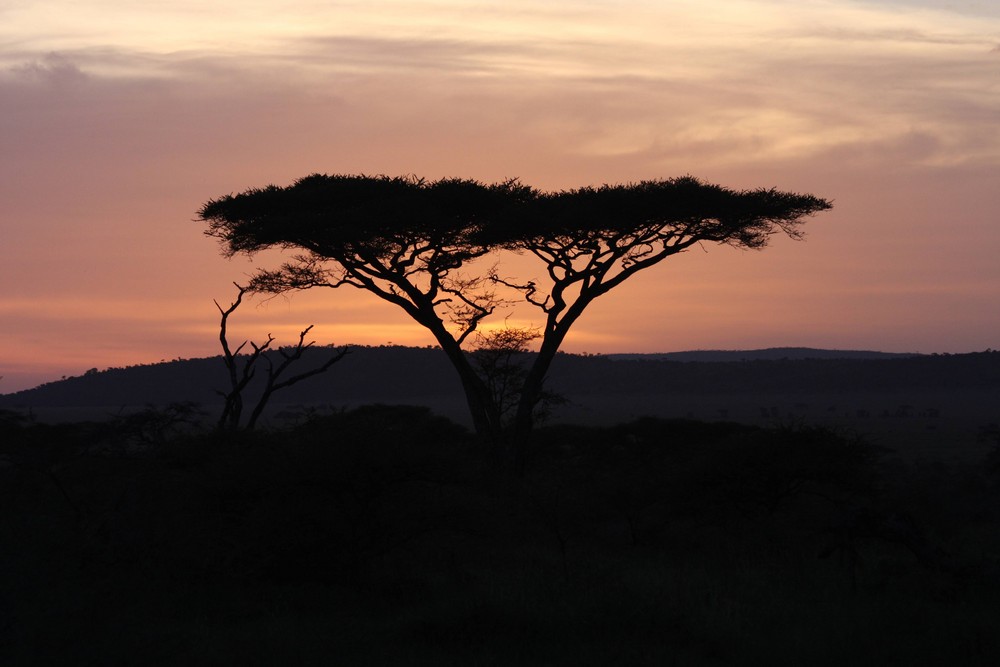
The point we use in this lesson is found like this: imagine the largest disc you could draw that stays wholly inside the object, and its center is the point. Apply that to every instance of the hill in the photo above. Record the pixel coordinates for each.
(771, 353)
(933, 402)
(391, 374)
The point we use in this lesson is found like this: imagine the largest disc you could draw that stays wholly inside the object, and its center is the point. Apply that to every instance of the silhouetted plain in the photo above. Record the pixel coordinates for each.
(379, 536)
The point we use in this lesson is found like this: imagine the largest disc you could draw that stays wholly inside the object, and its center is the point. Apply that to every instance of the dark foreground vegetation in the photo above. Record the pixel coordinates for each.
(383, 536)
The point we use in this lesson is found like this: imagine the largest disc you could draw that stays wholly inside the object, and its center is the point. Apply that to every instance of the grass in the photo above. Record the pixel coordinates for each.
(656, 542)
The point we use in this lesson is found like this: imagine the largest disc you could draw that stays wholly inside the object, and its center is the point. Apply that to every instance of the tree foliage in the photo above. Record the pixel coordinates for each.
(403, 239)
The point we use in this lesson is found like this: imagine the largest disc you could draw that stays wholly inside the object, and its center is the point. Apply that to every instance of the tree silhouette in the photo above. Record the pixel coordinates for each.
(410, 241)
(591, 240)
(403, 239)
(239, 378)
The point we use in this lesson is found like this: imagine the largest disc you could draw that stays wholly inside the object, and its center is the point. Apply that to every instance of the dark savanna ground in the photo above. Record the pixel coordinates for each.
(383, 536)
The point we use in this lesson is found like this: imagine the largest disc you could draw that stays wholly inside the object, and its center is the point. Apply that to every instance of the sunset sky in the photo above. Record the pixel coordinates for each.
(119, 120)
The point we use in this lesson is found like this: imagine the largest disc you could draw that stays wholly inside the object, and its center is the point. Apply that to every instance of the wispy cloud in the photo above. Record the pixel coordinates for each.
(746, 80)
(52, 68)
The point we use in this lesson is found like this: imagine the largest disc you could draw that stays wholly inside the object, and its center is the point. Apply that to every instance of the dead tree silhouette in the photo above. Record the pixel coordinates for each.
(240, 376)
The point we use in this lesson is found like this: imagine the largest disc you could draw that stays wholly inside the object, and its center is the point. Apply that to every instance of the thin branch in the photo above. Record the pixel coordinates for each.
(272, 384)
(529, 289)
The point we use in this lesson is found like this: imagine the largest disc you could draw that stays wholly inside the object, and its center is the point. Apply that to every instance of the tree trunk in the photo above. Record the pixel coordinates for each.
(531, 392)
(484, 418)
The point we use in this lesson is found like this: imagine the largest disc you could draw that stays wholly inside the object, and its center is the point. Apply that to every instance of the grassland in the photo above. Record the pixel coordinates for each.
(384, 536)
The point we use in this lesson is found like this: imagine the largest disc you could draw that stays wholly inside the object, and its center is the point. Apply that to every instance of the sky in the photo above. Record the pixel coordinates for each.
(119, 120)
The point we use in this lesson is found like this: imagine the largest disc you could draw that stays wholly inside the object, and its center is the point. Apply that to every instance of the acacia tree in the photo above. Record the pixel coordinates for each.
(590, 240)
(408, 240)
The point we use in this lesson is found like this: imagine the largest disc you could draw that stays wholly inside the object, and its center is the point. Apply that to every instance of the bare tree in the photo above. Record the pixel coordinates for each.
(241, 375)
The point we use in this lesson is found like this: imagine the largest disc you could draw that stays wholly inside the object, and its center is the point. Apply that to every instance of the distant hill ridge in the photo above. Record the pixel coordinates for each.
(396, 374)
(770, 353)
